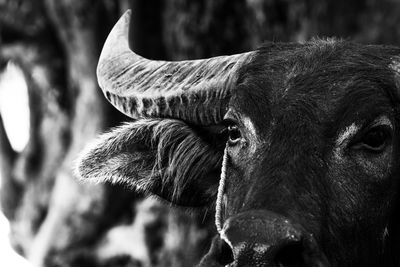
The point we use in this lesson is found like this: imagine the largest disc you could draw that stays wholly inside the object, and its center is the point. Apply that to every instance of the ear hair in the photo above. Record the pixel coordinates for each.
(101, 160)
(152, 153)
(183, 158)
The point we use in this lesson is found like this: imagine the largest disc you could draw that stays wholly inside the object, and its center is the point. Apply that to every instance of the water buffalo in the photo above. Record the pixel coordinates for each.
(297, 144)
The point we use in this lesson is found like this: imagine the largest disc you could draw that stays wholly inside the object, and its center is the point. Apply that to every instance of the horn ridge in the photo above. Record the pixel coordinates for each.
(165, 107)
(140, 87)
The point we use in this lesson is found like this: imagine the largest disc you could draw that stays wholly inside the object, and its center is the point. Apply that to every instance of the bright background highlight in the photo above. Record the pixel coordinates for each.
(15, 113)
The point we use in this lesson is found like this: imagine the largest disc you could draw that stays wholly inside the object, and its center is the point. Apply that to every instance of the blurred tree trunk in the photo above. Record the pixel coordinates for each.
(58, 221)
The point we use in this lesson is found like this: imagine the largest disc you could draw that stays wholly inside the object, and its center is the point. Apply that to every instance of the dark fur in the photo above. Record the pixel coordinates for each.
(299, 97)
(185, 161)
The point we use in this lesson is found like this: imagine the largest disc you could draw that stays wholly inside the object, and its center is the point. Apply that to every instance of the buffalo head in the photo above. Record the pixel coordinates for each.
(297, 144)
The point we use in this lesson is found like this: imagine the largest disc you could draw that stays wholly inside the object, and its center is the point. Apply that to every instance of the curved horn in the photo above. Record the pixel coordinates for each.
(196, 91)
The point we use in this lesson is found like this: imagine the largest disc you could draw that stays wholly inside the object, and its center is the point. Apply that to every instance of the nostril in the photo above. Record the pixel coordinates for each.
(225, 256)
(291, 255)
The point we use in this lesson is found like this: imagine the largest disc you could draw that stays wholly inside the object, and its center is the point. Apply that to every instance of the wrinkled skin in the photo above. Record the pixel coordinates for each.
(312, 159)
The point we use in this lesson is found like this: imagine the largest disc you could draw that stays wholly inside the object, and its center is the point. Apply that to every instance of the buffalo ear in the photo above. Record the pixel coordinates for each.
(163, 157)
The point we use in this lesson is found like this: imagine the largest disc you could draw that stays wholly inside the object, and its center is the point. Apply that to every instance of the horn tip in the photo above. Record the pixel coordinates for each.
(127, 16)
(116, 42)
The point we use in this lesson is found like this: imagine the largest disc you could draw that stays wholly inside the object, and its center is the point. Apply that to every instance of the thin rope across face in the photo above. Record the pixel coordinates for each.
(221, 191)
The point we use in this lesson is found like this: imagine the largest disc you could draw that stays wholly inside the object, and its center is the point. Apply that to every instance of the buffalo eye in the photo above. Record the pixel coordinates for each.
(234, 134)
(375, 139)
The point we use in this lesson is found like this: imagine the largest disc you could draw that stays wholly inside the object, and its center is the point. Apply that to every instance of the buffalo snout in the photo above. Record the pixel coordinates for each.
(264, 239)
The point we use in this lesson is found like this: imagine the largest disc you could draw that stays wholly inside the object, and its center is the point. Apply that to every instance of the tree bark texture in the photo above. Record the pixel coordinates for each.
(59, 221)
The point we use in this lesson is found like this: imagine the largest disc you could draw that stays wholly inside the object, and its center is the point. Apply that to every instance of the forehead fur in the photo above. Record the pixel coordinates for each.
(322, 79)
